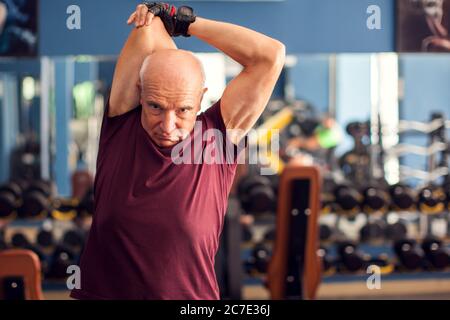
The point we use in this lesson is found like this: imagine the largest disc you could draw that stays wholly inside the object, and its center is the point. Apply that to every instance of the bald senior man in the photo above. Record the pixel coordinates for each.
(157, 222)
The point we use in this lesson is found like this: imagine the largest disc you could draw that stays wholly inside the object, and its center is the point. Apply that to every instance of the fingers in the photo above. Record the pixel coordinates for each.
(149, 19)
(141, 17)
(131, 18)
(143, 10)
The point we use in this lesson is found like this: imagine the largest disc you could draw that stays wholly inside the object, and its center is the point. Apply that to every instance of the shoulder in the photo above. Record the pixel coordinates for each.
(212, 117)
(118, 125)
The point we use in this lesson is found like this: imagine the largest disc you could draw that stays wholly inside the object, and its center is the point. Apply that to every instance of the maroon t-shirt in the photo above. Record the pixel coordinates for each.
(156, 227)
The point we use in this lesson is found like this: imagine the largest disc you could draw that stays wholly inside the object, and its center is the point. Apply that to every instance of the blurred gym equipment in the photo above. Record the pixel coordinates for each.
(351, 258)
(256, 194)
(20, 275)
(295, 268)
(36, 200)
(410, 255)
(10, 200)
(436, 253)
(403, 197)
(61, 259)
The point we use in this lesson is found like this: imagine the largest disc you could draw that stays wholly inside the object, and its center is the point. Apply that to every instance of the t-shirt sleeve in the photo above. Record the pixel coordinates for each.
(233, 153)
(114, 130)
(113, 126)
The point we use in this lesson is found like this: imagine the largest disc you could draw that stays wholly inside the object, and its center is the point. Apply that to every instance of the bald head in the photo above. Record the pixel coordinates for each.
(172, 87)
(172, 67)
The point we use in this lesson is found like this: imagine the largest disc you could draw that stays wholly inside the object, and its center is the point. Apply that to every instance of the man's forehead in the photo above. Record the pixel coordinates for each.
(170, 101)
(173, 64)
(179, 86)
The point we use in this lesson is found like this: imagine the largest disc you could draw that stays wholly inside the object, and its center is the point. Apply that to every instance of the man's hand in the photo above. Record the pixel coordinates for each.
(176, 21)
(141, 17)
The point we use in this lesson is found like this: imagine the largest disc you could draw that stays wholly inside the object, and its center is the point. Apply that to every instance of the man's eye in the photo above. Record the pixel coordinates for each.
(184, 110)
(152, 106)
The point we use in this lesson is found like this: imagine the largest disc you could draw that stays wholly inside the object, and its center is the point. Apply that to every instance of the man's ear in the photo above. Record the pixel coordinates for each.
(139, 88)
(203, 94)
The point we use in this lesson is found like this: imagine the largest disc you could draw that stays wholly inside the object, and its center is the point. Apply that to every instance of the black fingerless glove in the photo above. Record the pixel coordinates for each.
(175, 21)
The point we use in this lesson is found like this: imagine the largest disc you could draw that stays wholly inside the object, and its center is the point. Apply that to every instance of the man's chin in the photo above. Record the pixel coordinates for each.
(165, 142)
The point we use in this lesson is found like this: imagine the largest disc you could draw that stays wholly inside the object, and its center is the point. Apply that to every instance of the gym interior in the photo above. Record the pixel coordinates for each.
(353, 202)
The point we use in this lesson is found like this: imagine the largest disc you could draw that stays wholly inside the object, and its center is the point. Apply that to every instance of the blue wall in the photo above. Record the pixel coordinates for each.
(310, 79)
(305, 26)
(427, 85)
(352, 92)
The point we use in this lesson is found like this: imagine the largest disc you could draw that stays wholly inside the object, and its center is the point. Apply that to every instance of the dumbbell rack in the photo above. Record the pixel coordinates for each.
(418, 225)
(30, 229)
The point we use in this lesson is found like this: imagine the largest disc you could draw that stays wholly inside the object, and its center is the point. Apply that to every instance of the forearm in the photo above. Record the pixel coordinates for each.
(241, 44)
(141, 42)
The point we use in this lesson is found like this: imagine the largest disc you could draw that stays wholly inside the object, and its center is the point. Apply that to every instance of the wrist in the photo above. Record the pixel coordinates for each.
(193, 27)
(184, 18)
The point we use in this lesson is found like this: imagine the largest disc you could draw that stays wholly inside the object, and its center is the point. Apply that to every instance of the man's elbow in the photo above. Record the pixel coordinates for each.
(276, 54)
(280, 53)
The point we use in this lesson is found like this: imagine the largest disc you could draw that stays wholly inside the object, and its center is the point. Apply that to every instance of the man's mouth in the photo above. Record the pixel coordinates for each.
(165, 138)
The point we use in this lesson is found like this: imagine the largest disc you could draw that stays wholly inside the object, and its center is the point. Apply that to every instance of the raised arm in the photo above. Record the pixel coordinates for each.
(262, 57)
(246, 96)
(141, 42)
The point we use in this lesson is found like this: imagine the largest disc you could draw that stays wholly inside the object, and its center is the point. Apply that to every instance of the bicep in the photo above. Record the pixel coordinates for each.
(246, 96)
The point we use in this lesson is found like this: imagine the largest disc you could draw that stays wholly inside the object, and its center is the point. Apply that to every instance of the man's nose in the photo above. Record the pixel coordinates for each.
(168, 123)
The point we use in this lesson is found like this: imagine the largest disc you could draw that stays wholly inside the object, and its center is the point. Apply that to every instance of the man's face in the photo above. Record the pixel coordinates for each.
(169, 111)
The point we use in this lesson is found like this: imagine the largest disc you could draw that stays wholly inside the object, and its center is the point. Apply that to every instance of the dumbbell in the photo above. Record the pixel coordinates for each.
(10, 198)
(20, 241)
(270, 234)
(325, 232)
(410, 255)
(375, 199)
(3, 245)
(256, 194)
(304, 122)
(446, 187)
(403, 198)
(351, 258)
(328, 264)
(372, 231)
(74, 239)
(36, 200)
(436, 253)
(259, 258)
(65, 209)
(382, 261)
(348, 199)
(355, 163)
(396, 231)
(355, 166)
(61, 259)
(247, 234)
(45, 238)
(431, 199)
